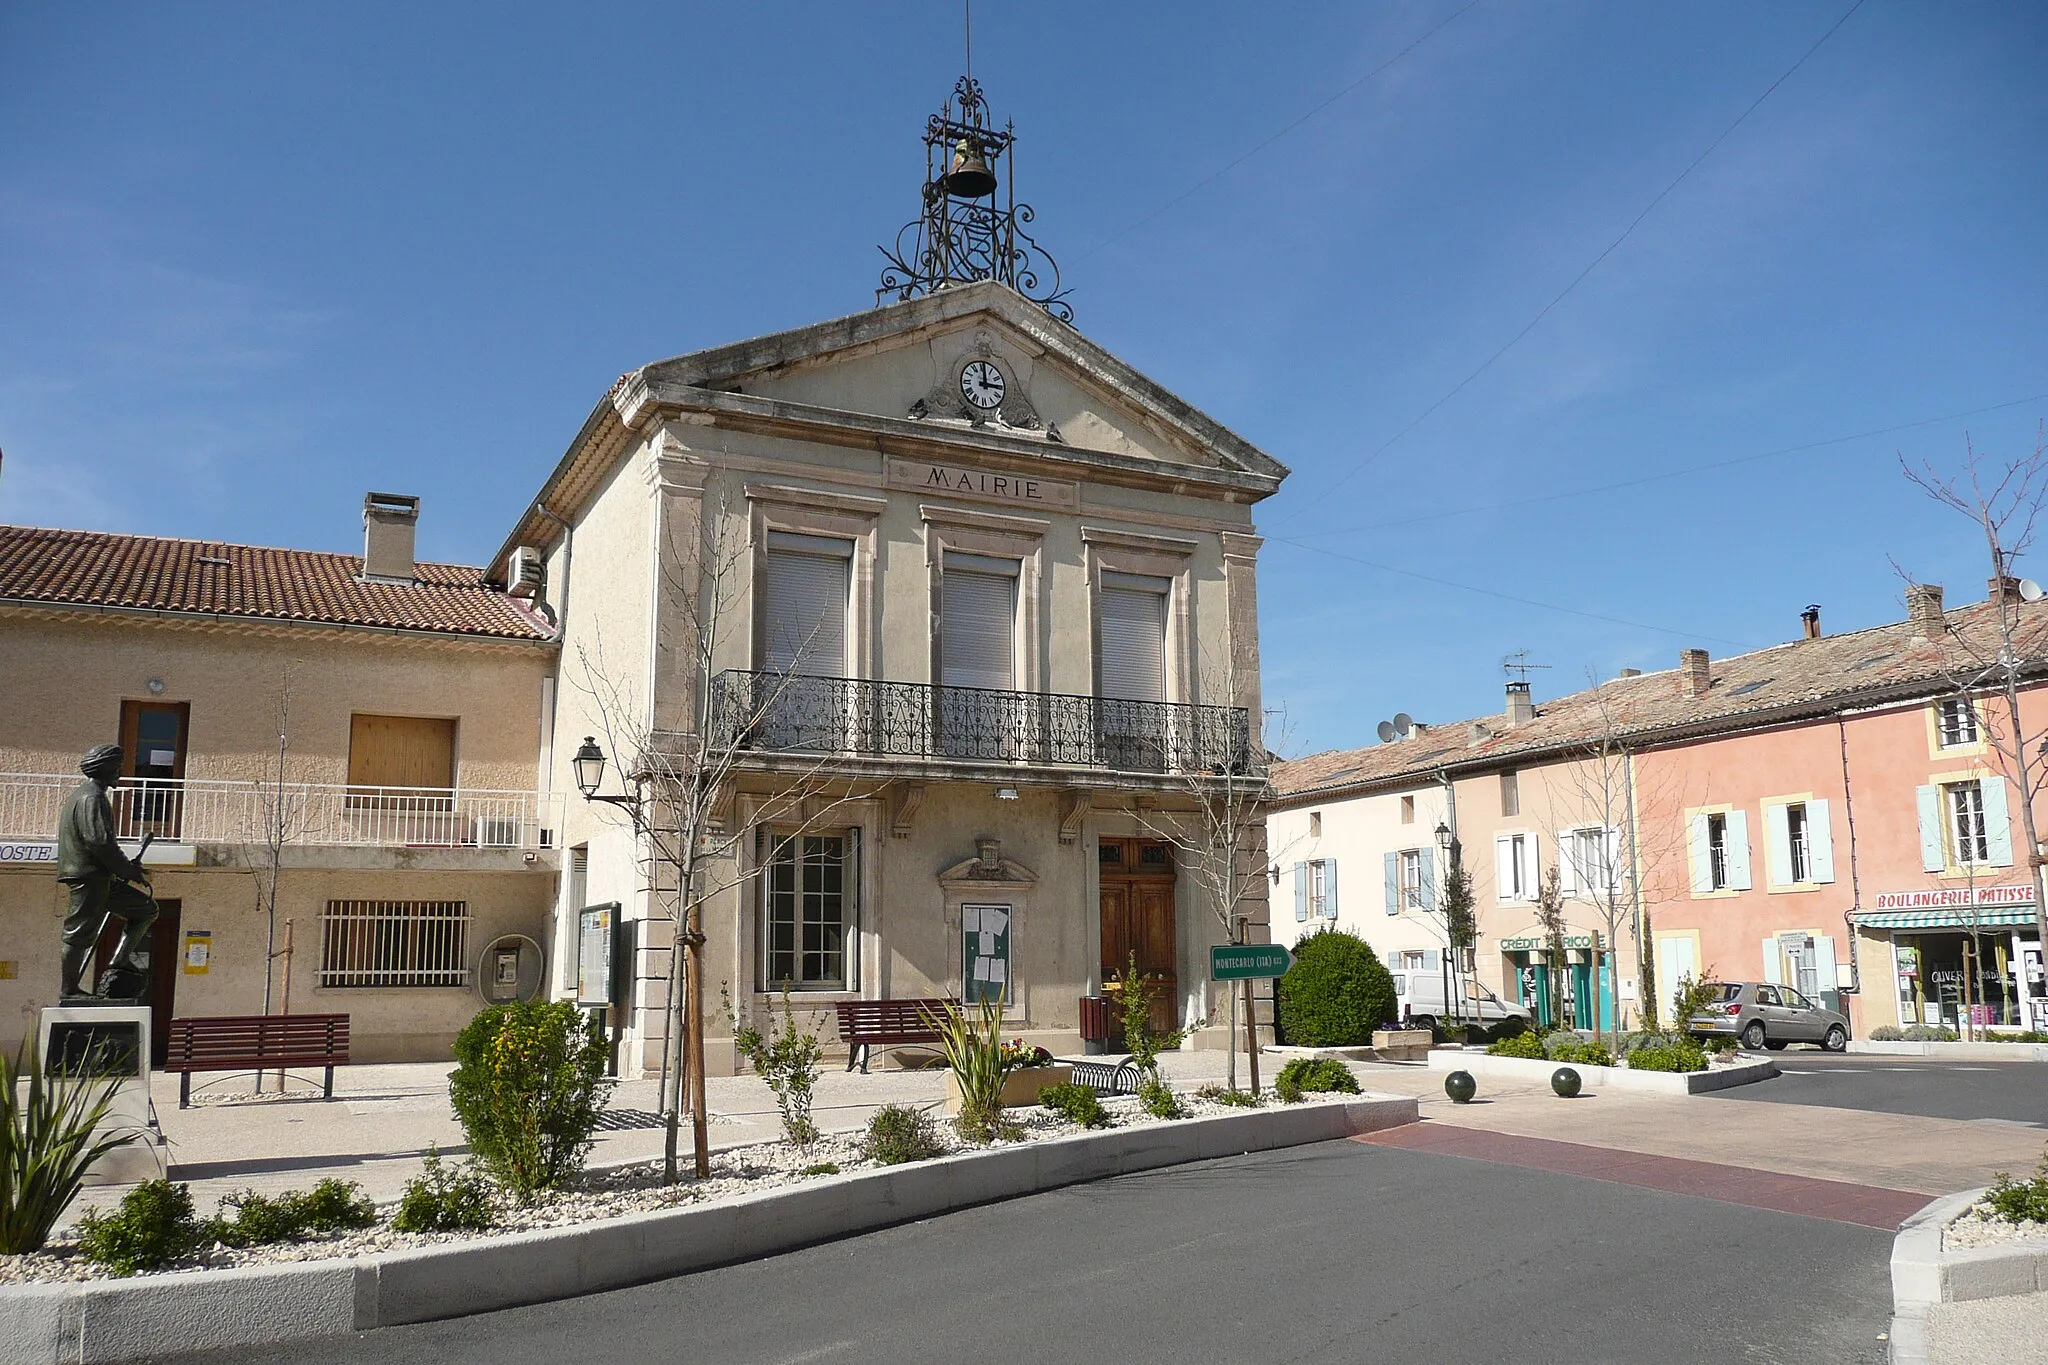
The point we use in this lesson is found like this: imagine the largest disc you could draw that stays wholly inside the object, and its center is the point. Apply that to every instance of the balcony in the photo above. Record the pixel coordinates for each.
(202, 811)
(772, 713)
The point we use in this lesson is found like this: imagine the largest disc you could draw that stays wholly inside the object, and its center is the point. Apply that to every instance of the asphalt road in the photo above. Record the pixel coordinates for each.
(1337, 1252)
(2013, 1092)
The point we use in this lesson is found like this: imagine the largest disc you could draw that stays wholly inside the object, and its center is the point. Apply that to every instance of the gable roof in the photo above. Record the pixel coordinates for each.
(42, 567)
(704, 382)
(1799, 680)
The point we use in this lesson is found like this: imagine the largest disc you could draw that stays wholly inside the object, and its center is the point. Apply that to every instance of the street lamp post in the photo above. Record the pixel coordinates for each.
(589, 764)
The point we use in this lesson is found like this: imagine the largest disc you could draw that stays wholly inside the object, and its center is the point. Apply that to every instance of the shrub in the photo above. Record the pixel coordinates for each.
(898, 1133)
(151, 1227)
(444, 1198)
(974, 1049)
(47, 1144)
(528, 1086)
(1671, 1054)
(1134, 993)
(331, 1206)
(1520, 1045)
(2019, 1201)
(1887, 1033)
(1236, 1099)
(788, 1062)
(1076, 1104)
(1930, 1033)
(1722, 1044)
(1313, 1075)
(1566, 1046)
(1335, 993)
(1158, 1099)
(821, 1168)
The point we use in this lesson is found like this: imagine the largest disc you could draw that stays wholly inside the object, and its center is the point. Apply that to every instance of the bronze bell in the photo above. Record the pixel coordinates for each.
(970, 177)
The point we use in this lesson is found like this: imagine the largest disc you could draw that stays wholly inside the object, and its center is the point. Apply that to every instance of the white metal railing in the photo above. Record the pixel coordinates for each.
(202, 810)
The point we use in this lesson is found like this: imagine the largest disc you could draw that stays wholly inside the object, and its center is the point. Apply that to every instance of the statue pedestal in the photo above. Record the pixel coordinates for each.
(87, 1043)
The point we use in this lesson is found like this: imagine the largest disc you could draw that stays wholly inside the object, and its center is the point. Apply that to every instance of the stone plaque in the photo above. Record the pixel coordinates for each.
(986, 485)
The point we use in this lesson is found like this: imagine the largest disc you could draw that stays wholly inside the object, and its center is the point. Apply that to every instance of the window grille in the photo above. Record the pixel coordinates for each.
(395, 943)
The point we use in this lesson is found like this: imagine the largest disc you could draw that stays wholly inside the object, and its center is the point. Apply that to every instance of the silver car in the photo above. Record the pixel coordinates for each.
(1761, 1014)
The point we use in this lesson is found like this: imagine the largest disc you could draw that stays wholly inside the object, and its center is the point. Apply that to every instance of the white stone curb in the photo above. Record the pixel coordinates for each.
(102, 1322)
(1923, 1274)
(1606, 1077)
(1956, 1052)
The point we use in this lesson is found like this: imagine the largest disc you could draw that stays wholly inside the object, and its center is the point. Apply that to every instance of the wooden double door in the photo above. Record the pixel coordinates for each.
(1137, 877)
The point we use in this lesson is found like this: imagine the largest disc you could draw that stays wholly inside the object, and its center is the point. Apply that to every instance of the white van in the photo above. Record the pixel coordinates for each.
(1419, 995)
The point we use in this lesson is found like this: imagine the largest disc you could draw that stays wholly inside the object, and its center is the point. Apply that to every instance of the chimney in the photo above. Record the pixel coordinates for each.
(1693, 675)
(1923, 607)
(1631, 672)
(389, 520)
(2003, 586)
(1810, 618)
(1521, 707)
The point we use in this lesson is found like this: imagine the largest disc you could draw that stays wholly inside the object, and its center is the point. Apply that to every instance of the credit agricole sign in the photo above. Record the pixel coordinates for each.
(960, 481)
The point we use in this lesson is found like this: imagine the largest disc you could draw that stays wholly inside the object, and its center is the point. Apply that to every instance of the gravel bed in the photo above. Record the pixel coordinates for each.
(608, 1192)
(1979, 1226)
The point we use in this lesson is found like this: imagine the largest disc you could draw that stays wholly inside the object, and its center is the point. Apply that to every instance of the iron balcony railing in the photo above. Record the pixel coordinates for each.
(202, 810)
(781, 713)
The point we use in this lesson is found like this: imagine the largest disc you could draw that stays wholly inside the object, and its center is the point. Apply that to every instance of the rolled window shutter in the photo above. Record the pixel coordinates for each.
(1428, 860)
(1133, 625)
(1504, 866)
(1774, 962)
(1933, 847)
(1702, 856)
(1738, 850)
(1301, 891)
(1329, 888)
(977, 629)
(1820, 843)
(1393, 865)
(1997, 822)
(1778, 844)
(806, 611)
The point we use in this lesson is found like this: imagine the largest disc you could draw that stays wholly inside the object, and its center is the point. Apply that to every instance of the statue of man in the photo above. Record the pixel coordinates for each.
(93, 865)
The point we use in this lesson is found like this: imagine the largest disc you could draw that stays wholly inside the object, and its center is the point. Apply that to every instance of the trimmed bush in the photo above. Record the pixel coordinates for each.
(1336, 992)
(1930, 1033)
(1314, 1075)
(1563, 1045)
(151, 1227)
(1076, 1104)
(2019, 1201)
(1887, 1033)
(898, 1133)
(331, 1206)
(1671, 1054)
(1520, 1045)
(528, 1086)
(444, 1198)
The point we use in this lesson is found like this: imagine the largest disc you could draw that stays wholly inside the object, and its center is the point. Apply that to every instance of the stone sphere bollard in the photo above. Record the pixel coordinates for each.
(1460, 1086)
(1565, 1082)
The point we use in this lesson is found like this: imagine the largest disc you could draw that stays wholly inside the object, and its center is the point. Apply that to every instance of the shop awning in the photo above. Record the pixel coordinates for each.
(1957, 917)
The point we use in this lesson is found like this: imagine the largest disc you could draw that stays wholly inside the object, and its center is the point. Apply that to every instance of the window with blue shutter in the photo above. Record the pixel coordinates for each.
(1426, 887)
(1329, 888)
(1738, 850)
(1301, 891)
(1393, 865)
(1997, 823)
(1933, 848)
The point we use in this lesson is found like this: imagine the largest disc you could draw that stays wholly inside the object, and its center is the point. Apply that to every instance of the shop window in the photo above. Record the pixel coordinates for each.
(807, 912)
(1957, 723)
(394, 943)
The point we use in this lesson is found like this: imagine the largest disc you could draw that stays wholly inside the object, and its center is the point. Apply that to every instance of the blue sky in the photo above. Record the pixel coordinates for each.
(257, 259)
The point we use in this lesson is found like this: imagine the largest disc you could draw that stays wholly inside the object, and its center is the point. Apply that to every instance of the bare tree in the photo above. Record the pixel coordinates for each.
(282, 812)
(2005, 502)
(681, 788)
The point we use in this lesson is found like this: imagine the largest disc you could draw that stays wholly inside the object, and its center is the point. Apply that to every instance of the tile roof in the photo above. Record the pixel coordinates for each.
(42, 566)
(1782, 682)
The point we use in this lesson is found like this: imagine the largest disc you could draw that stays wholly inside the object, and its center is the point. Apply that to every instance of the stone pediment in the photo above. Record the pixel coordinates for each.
(988, 870)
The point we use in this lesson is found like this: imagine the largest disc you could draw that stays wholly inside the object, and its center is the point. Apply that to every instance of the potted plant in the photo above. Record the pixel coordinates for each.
(1027, 1070)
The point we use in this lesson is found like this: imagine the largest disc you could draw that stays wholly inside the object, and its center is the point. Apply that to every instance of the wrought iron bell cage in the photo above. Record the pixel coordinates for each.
(971, 226)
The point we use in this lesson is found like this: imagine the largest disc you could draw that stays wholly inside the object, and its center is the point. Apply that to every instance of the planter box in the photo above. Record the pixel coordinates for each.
(1526, 1070)
(1020, 1087)
(1402, 1044)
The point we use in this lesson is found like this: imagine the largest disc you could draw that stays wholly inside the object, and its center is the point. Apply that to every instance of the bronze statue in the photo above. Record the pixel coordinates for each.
(100, 873)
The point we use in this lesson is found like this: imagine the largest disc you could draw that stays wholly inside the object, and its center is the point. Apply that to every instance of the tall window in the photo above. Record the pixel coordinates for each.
(1717, 851)
(1515, 866)
(1133, 635)
(1590, 861)
(1966, 823)
(809, 579)
(1318, 890)
(978, 657)
(807, 913)
(1510, 794)
(1411, 879)
(1958, 722)
(1797, 842)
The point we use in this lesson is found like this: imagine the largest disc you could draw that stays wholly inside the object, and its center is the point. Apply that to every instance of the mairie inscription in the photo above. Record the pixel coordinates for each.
(961, 481)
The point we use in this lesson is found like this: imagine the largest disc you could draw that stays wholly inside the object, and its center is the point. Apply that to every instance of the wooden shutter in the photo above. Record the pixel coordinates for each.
(1531, 856)
(1393, 867)
(1329, 888)
(1774, 962)
(1504, 866)
(1826, 977)
(978, 623)
(1820, 843)
(1427, 858)
(1933, 847)
(1778, 844)
(1133, 612)
(809, 578)
(1301, 892)
(1567, 864)
(1738, 851)
(1997, 823)
(401, 751)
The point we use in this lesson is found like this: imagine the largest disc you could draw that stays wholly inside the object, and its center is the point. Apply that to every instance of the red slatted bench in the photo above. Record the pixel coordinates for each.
(256, 1042)
(887, 1024)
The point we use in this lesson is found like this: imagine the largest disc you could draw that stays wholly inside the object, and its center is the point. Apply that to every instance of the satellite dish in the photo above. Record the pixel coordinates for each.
(1403, 722)
(1386, 732)
(2030, 591)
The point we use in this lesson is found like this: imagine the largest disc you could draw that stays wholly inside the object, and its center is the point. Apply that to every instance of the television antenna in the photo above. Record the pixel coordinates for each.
(1518, 664)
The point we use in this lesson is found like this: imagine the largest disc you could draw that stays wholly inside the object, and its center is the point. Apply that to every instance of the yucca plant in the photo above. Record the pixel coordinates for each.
(973, 1047)
(49, 1139)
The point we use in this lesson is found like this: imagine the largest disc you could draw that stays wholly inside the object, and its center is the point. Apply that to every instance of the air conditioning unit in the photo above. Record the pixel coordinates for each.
(529, 575)
(495, 831)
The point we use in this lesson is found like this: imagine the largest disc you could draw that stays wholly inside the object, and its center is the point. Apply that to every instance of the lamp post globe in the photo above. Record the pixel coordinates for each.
(589, 765)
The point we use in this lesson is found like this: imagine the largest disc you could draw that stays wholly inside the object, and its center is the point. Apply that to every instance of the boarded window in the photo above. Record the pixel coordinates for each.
(401, 751)
(394, 943)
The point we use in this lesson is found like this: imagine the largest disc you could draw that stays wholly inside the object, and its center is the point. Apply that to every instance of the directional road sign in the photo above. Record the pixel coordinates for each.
(1242, 961)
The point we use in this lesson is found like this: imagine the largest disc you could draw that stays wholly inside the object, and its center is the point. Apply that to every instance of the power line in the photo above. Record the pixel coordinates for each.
(1226, 169)
(1591, 266)
(1673, 473)
(1509, 597)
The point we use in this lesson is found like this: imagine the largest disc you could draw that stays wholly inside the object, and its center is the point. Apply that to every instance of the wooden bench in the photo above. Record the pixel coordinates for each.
(256, 1042)
(887, 1024)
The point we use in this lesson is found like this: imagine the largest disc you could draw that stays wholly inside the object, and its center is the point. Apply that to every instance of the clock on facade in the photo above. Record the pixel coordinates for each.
(982, 385)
